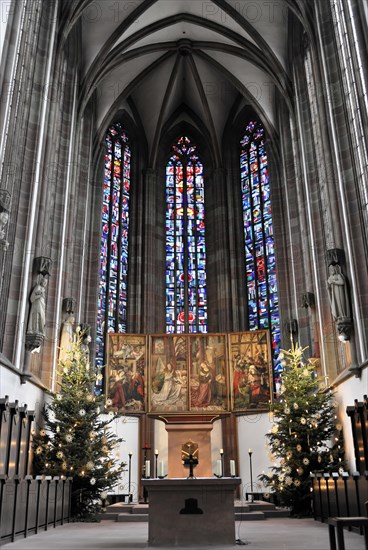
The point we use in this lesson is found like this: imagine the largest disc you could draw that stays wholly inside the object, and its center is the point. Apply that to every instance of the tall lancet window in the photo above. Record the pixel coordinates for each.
(186, 299)
(263, 306)
(112, 295)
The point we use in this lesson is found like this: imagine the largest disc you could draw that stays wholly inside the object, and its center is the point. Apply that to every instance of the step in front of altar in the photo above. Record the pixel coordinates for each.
(125, 512)
(259, 509)
(244, 511)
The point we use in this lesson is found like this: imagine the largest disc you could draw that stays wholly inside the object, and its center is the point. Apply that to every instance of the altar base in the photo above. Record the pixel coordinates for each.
(191, 512)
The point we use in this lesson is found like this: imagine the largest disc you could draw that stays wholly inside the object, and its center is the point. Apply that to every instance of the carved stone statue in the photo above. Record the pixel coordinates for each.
(337, 290)
(4, 217)
(66, 338)
(86, 339)
(37, 318)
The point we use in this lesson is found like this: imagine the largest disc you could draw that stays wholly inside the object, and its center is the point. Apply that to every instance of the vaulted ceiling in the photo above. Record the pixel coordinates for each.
(193, 60)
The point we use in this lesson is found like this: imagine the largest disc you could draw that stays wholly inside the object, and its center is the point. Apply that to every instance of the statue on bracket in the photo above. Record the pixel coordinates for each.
(339, 301)
(66, 331)
(66, 338)
(36, 331)
(4, 217)
(37, 315)
(5, 199)
(84, 332)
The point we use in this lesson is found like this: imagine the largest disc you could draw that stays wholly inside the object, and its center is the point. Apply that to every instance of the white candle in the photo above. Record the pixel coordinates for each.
(148, 468)
(250, 451)
(232, 468)
(219, 468)
(221, 451)
(161, 468)
(156, 451)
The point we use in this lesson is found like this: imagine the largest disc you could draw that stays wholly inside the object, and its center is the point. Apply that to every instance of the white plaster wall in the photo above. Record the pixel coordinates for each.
(162, 441)
(251, 433)
(216, 444)
(354, 388)
(127, 428)
(29, 393)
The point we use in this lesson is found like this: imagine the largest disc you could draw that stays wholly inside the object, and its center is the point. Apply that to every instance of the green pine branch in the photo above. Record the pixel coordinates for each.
(74, 439)
(304, 437)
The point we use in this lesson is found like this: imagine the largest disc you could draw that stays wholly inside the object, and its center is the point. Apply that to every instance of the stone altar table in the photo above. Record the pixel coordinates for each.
(191, 512)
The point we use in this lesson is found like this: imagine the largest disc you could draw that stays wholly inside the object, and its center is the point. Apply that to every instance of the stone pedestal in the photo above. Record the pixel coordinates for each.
(191, 512)
(180, 434)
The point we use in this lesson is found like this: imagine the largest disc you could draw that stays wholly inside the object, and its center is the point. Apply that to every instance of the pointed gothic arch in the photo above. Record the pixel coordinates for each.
(259, 243)
(114, 242)
(186, 292)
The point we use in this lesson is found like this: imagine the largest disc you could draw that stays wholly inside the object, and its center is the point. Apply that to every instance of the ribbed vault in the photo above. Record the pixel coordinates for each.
(155, 58)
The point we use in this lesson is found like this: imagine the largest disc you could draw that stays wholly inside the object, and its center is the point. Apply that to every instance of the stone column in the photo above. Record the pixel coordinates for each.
(230, 441)
(145, 441)
(218, 255)
(237, 309)
(153, 270)
(346, 183)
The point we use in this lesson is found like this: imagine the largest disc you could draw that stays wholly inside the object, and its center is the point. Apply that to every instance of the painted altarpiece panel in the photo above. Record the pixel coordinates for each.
(188, 374)
(250, 368)
(208, 373)
(126, 372)
(168, 374)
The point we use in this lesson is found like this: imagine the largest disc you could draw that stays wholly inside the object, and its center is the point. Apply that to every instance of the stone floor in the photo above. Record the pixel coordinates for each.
(271, 534)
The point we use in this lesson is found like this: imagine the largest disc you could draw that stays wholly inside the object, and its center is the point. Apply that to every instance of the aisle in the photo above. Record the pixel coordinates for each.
(271, 534)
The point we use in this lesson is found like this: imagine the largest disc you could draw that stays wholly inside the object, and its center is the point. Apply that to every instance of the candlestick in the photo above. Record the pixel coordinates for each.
(222, 462)
(148, 469)
(232, 468)
(145, 450)
(130, 454)
(156, 457)
(250, 451)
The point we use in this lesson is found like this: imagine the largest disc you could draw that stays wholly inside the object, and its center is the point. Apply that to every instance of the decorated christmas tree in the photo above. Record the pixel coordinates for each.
(304, 437)
(75, 439)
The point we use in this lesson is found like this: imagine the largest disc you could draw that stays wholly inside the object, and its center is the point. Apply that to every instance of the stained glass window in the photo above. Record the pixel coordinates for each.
(186, 298)
(261, 280)
(112, 294)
